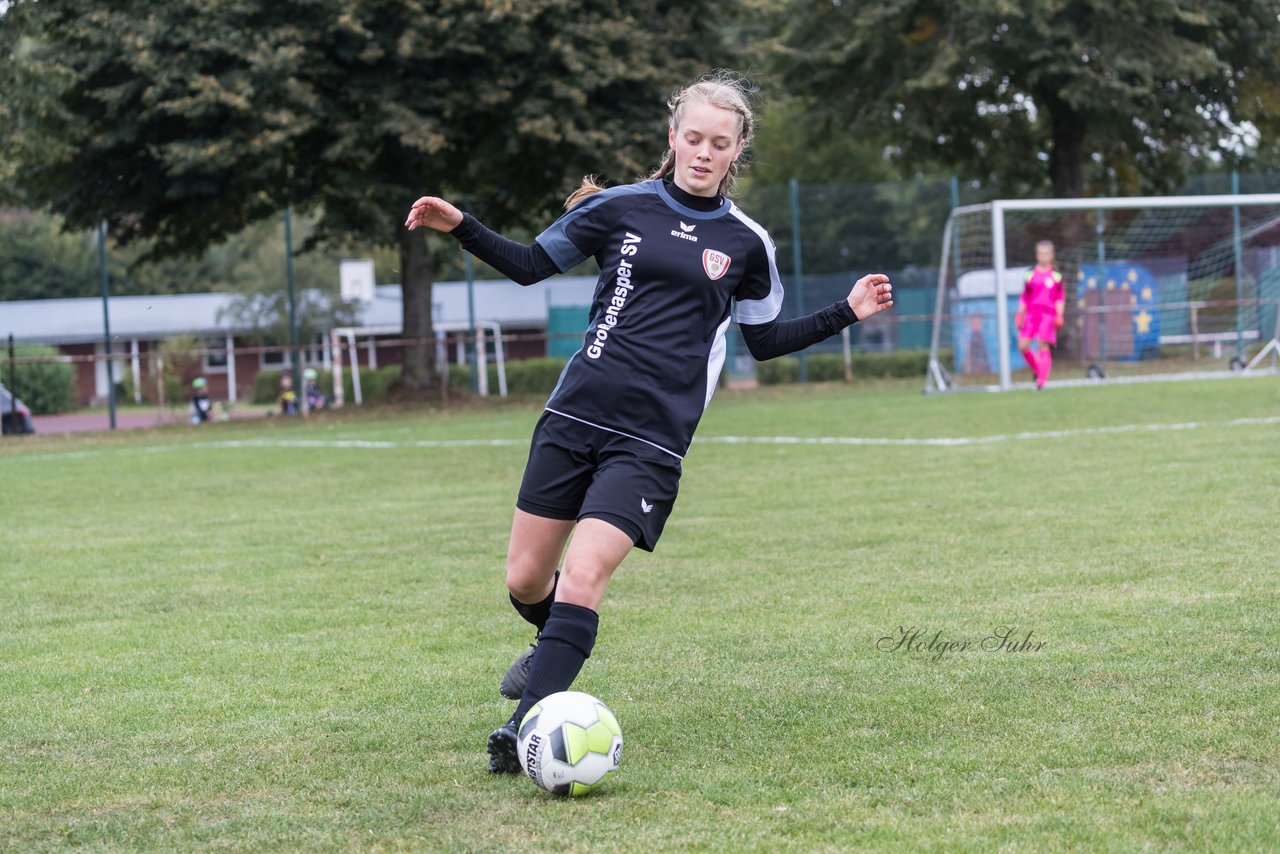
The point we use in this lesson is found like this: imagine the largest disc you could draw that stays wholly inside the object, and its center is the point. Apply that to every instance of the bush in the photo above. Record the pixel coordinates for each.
(266, 387)
(45, 387)
(829, 367)
(825, 368)
(373, 383)
(785, 369)
(524, 376)
(529, 376)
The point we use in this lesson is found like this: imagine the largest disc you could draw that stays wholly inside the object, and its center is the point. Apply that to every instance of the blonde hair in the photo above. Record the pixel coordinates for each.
(724, 89)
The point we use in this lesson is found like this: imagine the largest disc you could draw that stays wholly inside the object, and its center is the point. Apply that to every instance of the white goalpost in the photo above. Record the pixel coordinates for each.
(1159, 287)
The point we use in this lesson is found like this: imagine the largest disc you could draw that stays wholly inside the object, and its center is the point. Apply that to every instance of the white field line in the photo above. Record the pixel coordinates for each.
(922, 442)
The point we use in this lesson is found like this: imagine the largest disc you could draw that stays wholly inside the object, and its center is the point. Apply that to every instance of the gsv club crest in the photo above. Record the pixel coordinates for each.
(715, 263)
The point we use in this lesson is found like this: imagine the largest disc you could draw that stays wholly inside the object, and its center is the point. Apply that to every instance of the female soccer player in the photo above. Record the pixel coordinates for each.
(675, 254)
(1040, 314)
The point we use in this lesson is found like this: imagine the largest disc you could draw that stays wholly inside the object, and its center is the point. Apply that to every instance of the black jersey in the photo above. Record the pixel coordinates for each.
(655, 343)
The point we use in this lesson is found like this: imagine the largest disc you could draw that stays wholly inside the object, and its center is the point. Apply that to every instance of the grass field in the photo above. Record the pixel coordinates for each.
(288, 636)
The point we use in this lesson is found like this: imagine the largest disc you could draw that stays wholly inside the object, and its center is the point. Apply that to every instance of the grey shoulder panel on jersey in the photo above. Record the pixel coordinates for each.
(555, 239)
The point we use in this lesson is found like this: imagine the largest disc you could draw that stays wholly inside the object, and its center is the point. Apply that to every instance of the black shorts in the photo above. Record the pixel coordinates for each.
(577, 471)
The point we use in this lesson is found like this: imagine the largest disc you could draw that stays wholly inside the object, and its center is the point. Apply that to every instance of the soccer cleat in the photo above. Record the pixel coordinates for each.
(503, 758)
(517, 675)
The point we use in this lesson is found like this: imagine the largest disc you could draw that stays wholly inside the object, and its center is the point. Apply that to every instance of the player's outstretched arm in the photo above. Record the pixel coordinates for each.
(522, 263)
(871, 295)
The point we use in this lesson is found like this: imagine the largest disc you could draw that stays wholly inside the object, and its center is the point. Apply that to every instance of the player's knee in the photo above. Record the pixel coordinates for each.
(527, 579)
(582, 580)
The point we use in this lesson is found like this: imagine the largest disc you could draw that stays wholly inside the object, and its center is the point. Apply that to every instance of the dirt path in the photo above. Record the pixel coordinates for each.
(130, 419)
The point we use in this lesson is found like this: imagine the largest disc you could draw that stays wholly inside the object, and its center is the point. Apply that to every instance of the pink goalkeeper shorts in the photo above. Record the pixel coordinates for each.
(1039, 326)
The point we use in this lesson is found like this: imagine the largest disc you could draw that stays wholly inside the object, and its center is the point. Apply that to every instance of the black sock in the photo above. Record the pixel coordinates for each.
(565, 644)
(538, 612)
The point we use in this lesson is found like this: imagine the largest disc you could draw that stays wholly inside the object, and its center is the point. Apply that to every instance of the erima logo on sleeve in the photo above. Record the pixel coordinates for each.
(684, 232)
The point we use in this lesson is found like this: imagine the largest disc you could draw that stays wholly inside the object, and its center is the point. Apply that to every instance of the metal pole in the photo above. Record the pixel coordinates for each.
(293, 309)
(106, 321)
(1002, 307)
(473, 358)
(797, 269)
(955, 236)
(13, 389)
(1103, 318)
(1239, 259)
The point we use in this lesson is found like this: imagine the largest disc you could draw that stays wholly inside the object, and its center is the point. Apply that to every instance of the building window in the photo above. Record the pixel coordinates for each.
(215, 356)
(311, 354)
(274, 359)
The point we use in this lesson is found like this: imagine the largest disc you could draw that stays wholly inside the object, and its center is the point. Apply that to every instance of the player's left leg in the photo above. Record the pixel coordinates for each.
(532, 557)
(566, 641)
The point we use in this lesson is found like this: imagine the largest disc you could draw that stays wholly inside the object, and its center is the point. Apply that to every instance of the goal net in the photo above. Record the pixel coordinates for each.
(1155, 288)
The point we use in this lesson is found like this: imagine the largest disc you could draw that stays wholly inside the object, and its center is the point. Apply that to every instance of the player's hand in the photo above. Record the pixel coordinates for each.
(1057, 322)
(871, 295)
(1018, 318)
(435, 213)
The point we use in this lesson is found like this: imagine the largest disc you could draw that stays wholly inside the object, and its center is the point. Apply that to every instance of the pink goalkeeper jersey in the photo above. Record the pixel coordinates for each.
(1042, 289)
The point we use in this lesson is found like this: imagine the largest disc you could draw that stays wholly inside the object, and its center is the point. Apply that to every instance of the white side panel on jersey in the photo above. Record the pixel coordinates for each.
(715, 360)
(761, 310)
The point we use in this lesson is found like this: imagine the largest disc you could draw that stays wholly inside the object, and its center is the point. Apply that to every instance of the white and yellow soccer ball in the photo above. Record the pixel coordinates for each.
(569, 743)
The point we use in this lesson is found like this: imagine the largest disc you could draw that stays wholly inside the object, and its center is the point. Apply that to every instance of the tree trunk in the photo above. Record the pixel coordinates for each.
(1066, 171)
(418, 371)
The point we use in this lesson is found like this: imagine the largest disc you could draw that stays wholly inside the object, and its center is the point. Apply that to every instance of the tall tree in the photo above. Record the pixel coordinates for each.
(182, 122)
(1035, 90)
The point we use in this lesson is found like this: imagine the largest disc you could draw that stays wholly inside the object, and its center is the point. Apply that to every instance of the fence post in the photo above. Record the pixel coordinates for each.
(797, 269)
(106, 321)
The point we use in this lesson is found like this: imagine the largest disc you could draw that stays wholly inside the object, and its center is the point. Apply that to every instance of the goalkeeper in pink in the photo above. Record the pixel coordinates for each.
(1040, 315)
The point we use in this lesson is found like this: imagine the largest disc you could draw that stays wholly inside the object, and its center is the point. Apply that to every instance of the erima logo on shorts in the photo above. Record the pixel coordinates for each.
(645, 506)
(621, 290)
(684, 232)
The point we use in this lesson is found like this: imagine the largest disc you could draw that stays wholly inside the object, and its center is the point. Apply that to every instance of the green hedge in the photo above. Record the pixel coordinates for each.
(829, 367)
(373, 384)
(525, 376)
(45, 387)
(175, 391)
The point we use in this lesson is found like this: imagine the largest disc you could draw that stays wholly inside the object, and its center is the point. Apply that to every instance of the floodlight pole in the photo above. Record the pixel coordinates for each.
(106, 321)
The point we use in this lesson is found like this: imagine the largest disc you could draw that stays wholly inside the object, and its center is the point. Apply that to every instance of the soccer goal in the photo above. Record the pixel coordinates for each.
(1155, 288)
